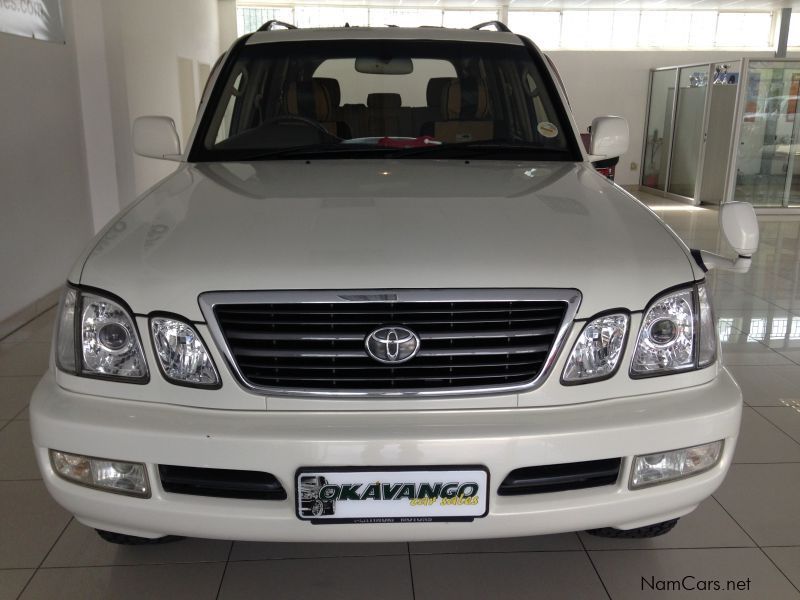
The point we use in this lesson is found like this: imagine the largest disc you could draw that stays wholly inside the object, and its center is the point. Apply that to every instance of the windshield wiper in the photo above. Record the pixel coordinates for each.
(479, 148)
(304, 152)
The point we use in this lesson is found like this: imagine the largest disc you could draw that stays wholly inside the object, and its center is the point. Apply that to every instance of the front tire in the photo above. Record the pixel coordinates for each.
(132, 540)
(649, 531)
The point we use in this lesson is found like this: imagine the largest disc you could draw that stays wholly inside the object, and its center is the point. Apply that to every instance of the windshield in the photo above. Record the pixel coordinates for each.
(370, 98)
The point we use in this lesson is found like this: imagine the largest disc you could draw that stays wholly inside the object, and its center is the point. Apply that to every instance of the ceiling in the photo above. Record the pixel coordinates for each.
(727, 5)
(659, 4)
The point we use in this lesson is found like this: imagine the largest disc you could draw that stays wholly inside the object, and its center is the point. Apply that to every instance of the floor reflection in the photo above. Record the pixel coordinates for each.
(761, 307)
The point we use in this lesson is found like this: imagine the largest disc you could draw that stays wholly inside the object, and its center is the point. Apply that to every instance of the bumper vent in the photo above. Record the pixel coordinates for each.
(319, 346)
(559, 478)
(220, 483)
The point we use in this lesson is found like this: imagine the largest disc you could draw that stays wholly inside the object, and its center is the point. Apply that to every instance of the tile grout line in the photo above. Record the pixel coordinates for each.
(769, 558)
(591, 562)
(22, 410)
(747, 533)
(761, 343)
(411, 571)
(224, 570)
(768, 420)
(776, 462)
(26, 323)
(44, 558)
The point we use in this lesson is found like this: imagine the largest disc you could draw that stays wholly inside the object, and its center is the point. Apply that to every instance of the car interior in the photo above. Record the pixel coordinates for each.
(296, 101)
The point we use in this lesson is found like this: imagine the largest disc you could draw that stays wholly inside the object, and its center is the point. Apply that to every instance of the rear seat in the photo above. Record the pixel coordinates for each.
(384, 115)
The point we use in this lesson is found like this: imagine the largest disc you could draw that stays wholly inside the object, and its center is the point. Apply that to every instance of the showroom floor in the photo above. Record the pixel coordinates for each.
(749, 530)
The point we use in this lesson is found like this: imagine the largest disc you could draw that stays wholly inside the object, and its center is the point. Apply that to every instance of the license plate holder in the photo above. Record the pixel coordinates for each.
(364, 495)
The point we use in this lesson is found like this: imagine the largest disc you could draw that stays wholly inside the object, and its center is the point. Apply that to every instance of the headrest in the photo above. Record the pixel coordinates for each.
(331, 85)
(384, 100)
(308, 99)
(465, 99)
(435, 89)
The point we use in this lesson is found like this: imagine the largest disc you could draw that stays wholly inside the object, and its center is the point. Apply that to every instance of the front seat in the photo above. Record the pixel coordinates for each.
(311, 100)
(466, 115)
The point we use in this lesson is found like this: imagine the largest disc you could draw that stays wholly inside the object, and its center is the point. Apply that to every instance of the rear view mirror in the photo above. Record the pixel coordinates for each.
(610, 138)
(384, 66)
(156, 137)
(740, 227)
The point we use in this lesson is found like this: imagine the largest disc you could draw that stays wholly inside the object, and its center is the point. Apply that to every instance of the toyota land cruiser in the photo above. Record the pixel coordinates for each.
(385, 296)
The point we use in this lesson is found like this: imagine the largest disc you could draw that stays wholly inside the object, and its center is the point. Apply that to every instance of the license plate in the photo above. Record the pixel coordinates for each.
(401, 495)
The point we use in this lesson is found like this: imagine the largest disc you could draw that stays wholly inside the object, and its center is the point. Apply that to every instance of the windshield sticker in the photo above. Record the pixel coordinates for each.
(547, 129)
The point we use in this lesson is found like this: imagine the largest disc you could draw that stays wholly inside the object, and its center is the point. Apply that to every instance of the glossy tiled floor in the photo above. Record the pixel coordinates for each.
(750, 529)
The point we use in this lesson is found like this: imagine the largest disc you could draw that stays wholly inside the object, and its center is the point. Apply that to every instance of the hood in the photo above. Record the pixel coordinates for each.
(384, 224)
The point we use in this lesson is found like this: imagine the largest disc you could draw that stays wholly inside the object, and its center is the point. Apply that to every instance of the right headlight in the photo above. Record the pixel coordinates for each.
(598, 350)
(677, 334)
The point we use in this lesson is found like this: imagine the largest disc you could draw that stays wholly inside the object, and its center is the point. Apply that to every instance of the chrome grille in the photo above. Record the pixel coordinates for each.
(314, 341)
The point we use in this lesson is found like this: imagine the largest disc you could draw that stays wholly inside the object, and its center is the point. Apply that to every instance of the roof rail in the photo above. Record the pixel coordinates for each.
(498, 25)
(270, 25)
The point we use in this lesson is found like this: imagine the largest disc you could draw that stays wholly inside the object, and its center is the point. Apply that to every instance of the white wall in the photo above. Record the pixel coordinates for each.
(66, 159)
(615, 83)
(45, 218)
(155, 36)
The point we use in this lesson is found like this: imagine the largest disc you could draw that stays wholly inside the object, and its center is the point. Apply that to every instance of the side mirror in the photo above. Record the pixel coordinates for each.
(740, 227)
(156, 137)
(610, 138)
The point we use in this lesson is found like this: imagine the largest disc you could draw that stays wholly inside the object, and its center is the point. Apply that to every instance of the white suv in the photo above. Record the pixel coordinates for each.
(385, 296)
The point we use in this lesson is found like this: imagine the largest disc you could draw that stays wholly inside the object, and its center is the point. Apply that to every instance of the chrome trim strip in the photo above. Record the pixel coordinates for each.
(571, 297)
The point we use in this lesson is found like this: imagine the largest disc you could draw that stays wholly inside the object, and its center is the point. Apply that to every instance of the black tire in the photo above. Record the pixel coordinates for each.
(649, 531)
(132, 540)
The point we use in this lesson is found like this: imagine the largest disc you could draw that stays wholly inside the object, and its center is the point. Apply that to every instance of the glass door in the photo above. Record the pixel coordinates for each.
(659, 129)
(688, 136)
(767, 165)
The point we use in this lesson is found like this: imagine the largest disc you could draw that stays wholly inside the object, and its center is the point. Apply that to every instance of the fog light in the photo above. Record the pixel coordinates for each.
(101, 473)
(650, 469)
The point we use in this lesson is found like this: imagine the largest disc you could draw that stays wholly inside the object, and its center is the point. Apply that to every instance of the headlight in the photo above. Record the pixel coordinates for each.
(707, 348)
(598, 350)
(97, 337)
(677, 334)
(182, 356)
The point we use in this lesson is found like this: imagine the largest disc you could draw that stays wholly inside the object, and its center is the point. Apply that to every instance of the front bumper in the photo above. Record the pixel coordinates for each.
(282, 442)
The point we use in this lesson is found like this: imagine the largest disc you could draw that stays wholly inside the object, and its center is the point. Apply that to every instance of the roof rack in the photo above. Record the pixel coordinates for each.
(498, 25)
(272, 23)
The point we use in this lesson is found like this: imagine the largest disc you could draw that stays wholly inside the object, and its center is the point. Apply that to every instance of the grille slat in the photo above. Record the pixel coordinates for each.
(321, 336)
(268, 353)
(320, 346)
(338, 366)
(393, 319)
(348, 310)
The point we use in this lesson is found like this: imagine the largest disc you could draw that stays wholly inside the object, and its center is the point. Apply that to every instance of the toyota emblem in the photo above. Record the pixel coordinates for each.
(392, 345)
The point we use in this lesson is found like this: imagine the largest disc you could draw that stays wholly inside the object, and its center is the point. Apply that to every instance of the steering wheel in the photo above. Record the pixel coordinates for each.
(298, 119)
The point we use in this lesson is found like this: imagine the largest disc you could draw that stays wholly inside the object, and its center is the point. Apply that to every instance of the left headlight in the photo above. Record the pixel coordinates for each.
(181, 353)
(97, 337)
(677, 334)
